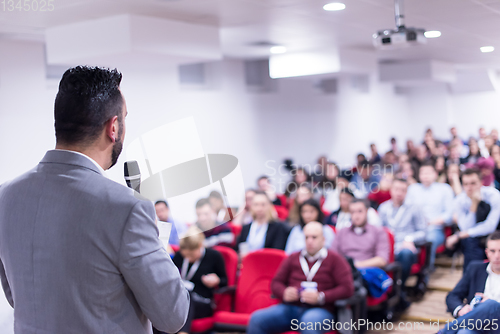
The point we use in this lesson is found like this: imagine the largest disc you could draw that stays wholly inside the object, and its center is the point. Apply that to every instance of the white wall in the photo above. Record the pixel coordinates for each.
(296, 121)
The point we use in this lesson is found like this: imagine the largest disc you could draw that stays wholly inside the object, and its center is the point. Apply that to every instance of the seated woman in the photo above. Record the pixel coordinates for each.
(302, 194)
(310, 211)
(263, 231)
(202, 270)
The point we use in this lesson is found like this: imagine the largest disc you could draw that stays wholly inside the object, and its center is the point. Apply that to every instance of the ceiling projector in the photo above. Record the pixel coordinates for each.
(401, 36)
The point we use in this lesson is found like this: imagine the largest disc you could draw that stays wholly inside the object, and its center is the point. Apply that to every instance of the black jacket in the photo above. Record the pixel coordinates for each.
(212, 263)
(473, 281)
(276, 236)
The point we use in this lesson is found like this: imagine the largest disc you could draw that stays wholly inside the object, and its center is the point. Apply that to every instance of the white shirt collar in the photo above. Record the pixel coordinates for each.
(86, 156)
(490, 271)
(321, 254)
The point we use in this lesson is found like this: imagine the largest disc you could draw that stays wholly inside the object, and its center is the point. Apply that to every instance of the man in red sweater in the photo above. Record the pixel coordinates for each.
(307, 283)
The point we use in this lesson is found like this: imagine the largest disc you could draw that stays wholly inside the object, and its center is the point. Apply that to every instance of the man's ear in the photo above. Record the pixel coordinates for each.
(112, 127)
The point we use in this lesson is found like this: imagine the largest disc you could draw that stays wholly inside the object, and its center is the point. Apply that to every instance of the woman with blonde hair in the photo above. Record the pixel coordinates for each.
(202, 271)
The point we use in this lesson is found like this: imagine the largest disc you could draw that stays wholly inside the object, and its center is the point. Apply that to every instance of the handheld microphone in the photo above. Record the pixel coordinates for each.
(132, 175)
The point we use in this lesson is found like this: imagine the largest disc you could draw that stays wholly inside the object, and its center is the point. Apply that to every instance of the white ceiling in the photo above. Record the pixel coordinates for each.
(300, 25)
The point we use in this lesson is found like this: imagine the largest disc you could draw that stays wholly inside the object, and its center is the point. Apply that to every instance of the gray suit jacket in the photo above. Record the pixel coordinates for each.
(80, 254)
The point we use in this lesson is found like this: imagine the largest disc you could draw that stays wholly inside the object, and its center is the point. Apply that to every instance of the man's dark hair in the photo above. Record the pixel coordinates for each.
(202, 202)
(87, 98)
(161, 202)
(472, 171)
(400, 180)
(428, 163)
(493, 236)
(360, 200)
(347, 191)
(263, 177)
(215, 194)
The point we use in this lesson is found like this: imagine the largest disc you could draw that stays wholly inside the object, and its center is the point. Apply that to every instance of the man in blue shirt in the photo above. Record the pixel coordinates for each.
(436, 202)
(478, 214)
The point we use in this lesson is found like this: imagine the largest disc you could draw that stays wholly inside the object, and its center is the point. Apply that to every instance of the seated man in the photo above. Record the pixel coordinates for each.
(366, 244)
(307, 283)
(342, 217)
(407, 223)
(481, 279)
(478, 211)
(207, 222)
(436, 202)
(178, 228)
(263, 231)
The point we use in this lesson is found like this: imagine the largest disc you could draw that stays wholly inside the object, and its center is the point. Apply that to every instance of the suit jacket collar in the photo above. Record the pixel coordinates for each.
(69, 158)
(483, 276)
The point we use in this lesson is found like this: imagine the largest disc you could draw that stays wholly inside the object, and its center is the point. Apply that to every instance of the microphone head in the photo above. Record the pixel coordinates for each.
(132, 175)
(131, 169)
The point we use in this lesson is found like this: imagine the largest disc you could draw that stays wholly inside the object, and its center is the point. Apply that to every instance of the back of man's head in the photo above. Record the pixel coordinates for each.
(87, 98)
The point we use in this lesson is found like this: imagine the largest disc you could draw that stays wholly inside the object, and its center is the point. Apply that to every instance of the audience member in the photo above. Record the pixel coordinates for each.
(329, 187)
(366, 244)
(394, 147)
(452, 177)
(263, 231)
(410, 149)
(486, 167)
(481, 142)
(474, 153)
(244, 215)
(319, 171)
(494, 136)
(390, 162)
(481, 279)
(264, 184)
(163, 214)
(421, 157)
(407, 223)
(217, 203)
(302, 194)
(215, 233)
(202, 270)
(407, 172)
(495, 154)
(342, 217)
(309, 211)
(375, 157)
(364, 180)
(299, 177)
(478, 212)
(436, 202)
(307, 284)
(454, 156)
(382, 193)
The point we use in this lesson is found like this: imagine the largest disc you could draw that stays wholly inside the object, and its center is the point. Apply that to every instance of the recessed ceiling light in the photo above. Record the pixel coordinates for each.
(432, 34)
(487, 49)
(334, 6)
(277, 49)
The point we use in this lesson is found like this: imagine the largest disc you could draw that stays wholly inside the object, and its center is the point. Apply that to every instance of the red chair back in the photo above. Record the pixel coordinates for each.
(390, 237)
(254, 286)
(224, 301)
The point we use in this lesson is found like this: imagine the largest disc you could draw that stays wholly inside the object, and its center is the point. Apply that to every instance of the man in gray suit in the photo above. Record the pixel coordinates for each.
(80, 253)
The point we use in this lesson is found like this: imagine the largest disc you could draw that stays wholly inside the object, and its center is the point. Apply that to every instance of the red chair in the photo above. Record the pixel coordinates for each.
(223, 300)
(421, 269)
(388, 301)
(253, 291)
(284, 201)
(447, 232)
(282, 212)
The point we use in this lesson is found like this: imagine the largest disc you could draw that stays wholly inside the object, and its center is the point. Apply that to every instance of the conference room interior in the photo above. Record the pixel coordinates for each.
(306, 103)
